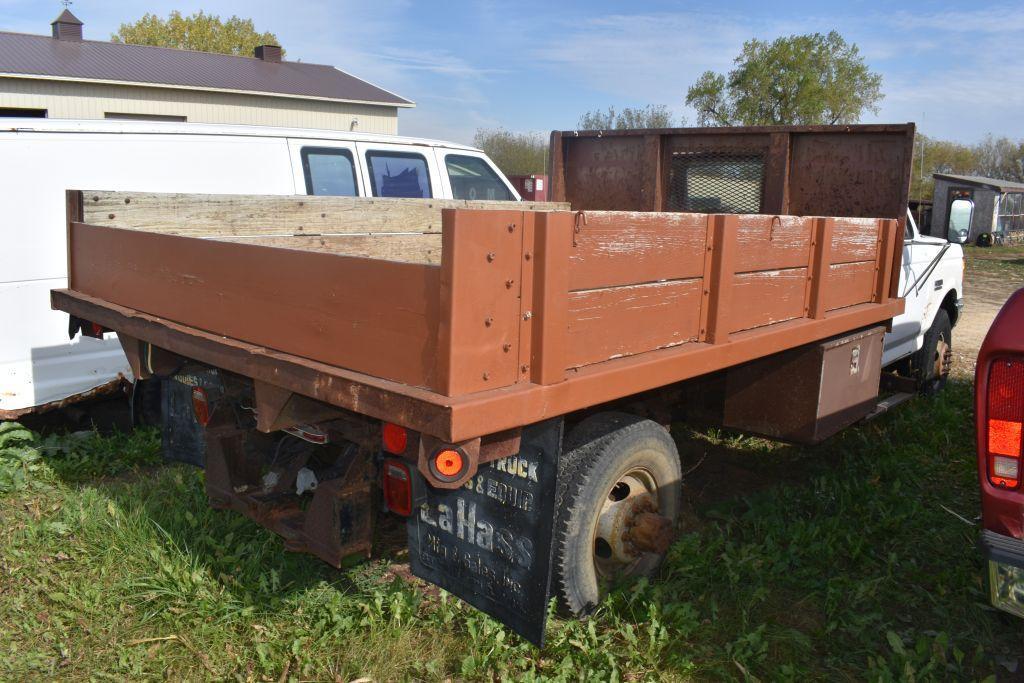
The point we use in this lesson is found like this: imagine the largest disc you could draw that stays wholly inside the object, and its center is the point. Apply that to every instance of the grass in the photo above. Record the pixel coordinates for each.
(842, 561)
(995, 261)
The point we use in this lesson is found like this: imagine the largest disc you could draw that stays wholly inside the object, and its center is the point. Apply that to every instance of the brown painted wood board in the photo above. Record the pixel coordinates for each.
(219, 214)
(767, 297)
(373, 316)
(622, 247)
(548, 358)
(854, 239)
(771, 242)
(849, 284)
(623, 321)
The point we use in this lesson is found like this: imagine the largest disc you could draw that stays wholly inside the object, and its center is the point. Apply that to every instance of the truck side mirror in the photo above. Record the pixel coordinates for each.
(960, 213)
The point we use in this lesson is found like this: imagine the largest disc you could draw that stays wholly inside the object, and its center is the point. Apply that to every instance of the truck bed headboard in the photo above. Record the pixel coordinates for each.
(858, 171)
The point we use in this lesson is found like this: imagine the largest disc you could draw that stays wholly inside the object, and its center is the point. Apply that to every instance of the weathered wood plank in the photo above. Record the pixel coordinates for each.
(612, 248)
(848, 284)
(854, 239)
(623, 321)
(771, 242)
(424, 248)
(767, 297)
(201, 215)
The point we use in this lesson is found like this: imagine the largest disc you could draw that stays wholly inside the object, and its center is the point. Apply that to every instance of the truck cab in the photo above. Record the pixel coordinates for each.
(931, 284)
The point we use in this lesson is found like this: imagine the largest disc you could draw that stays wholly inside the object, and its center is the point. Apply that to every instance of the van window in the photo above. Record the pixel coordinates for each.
(398, 174)
(472, 178)
(329, 171)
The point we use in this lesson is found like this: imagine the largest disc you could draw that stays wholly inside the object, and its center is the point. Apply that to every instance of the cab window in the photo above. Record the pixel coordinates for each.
(398, 174)
(473, 178)
(329, 171)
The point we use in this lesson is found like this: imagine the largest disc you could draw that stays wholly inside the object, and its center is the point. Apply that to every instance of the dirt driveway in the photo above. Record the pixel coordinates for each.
(992, 276)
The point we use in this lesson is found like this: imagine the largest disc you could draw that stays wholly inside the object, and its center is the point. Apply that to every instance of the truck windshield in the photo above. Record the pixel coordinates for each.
(472, 178)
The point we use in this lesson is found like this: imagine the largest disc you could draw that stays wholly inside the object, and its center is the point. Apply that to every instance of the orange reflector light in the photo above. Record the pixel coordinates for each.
(395, 438)
(448, 463)
(1004, 437)
(201, 405)
(397, 485)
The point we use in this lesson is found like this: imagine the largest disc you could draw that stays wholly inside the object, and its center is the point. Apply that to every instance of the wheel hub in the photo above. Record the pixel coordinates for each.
(629, 525)
(943, 358)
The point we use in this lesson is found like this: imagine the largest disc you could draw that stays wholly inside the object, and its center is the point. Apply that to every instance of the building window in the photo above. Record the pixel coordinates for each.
(17, 112)
(472, 178)
(120, 116)
(329, 171)
(1011, 212)
(398, 174)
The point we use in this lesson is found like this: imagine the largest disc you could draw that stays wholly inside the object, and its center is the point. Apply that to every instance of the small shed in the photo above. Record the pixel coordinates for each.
(966, 206)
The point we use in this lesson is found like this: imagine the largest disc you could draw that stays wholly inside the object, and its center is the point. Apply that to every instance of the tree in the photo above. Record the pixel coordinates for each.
(199, 31)
(651, 116)
(938, 156)
(514, 153)
(809, 79)
(1000, 158)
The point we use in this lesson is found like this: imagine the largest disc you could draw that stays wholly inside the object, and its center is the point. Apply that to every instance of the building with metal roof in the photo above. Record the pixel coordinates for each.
(66, 76)
(966, 207)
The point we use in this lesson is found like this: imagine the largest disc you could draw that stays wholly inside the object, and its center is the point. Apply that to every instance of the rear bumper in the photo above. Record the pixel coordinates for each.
(1005, 556)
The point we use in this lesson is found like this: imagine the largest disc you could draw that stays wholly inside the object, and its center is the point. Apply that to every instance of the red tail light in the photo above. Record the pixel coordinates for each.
(395, 439)
(1005, 422)
(397, 485)
(201, 405)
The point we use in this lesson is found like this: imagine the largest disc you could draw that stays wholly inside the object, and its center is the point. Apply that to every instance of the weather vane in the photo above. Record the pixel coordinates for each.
(66, 3)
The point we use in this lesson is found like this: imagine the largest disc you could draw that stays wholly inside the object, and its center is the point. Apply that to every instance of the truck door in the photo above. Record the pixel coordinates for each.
(916, 284)
(325, 167)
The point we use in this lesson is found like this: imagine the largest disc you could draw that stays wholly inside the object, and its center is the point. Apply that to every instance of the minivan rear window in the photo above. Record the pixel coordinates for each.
(398, 174)
(472, 178)
(329, 171)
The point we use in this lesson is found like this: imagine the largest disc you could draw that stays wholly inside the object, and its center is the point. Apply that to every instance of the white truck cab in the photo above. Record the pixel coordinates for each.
(932, 286)
(42, 158)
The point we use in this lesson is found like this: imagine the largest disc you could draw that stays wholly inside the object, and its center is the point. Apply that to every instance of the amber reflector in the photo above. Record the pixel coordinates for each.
(448, 463)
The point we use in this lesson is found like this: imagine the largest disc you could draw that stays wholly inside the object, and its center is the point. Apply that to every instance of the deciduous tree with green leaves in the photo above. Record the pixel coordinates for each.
(199, 31)
(514, 153)
(807, 79)
(651, 116)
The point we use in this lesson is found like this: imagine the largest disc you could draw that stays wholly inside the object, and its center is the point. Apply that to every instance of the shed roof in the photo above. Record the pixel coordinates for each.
(980, 181)
(28, 55)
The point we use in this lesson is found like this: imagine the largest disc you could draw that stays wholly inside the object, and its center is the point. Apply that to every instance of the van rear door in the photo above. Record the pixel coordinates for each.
(326, 167)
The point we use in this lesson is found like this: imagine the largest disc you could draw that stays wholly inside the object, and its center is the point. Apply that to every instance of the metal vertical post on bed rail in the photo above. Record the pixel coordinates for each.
(553, 234)
(719, 272)
(75, 214)
(888, 233)
(819, 267)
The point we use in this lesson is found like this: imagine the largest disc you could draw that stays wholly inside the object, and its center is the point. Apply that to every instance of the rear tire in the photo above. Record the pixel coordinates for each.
(619, 470)
(931, 365)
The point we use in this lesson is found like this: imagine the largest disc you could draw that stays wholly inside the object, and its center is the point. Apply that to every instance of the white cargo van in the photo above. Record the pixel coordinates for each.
(39, 366)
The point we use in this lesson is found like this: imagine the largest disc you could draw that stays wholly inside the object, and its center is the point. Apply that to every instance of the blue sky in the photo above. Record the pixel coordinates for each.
(956, 69)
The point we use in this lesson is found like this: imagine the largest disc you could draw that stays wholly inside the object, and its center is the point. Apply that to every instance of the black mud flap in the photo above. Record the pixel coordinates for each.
(490, 542)
(183, 438)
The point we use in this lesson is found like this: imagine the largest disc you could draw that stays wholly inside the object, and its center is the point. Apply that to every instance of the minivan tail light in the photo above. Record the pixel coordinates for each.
(1005, 422)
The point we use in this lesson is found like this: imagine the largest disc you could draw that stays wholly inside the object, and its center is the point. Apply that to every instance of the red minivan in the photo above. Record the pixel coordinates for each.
(999, 411)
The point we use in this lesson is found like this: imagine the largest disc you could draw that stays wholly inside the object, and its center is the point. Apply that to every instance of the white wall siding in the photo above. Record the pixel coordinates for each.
(76, 100)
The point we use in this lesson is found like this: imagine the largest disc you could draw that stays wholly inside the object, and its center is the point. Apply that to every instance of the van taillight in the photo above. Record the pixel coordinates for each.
(1004, 422)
